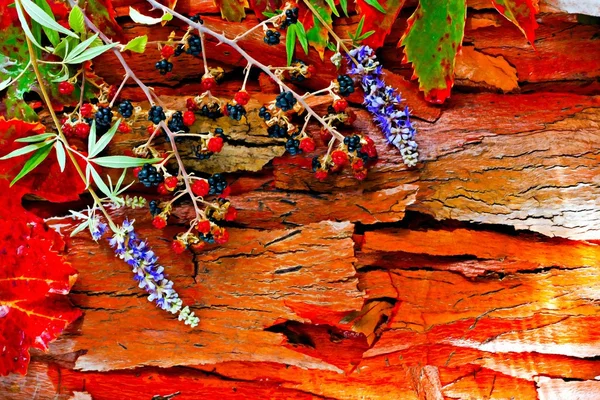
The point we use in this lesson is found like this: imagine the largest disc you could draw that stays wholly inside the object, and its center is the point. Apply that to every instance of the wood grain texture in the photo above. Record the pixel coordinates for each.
(473, 276)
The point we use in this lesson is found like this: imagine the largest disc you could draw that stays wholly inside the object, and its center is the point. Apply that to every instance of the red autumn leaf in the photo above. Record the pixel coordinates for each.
(45, 181)
(33, 281)
(377, 21)
(521, 13)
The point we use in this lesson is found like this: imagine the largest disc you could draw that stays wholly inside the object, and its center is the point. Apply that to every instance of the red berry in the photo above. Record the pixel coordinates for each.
(242, 97)
(311, 69)
(178, 246)
(215, 144)
(307, 144)
(360, 174)
(321, 175)
(162, 189)
(159, 222)
(231, 214)
(82, 130)
(358, 164)
(190, 104)
(86, 110)
(167, 51)
(369, 150)
(65, 88)
(221, 236)
(339, 157)
(203, 226)
(207, 84)
(124, 127)
(136, 171)
(325, 135)
(67, 129)
(200, 187)
(189, 118)
(340, 105)
(171, 183)
(369, 141)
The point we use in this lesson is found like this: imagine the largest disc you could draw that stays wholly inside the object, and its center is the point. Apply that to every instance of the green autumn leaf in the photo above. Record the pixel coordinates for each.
(433, 37)
(316, 33)
(232, 10)
(521, 13)
(381, 24)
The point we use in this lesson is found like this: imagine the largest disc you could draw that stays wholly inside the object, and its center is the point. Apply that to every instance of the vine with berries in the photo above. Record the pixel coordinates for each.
(96, 120)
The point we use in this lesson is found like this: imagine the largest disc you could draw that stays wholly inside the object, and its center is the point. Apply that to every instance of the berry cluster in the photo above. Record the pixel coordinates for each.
(126, 109)
(345, 85)
(148, 175)
(291, 17)
(356, 150)
(156, 114)
(285, 101)
(103, 119)
(272, 37)
(235, 111)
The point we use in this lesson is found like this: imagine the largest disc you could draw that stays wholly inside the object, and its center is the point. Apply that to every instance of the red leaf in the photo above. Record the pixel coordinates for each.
(33, 281)
(521, 13)
(45, 181)
(377, 21)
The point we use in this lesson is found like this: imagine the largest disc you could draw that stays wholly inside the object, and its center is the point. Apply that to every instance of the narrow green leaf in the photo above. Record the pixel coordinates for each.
(269, 14)
(51, 34)
(80, 48)
(76, 20)
(137, 45)
(33, 162)
(92, 138)
(25, 27)
(35, 138)
(302, 36)
(60, 155)
(23, 150)
(374, 3)
(40, 16)
(99, 182)
(80, 227)
(364, 36)
(331, 3)
(290, 42)
(360, 26)
(91, 53)
(123, 161)
(120, 181)
(167, 16)
(331, 46)
(344, 4)
(104, 140)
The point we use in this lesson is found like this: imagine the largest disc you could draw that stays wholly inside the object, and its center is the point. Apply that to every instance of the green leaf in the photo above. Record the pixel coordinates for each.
(290, 42)
(331, 46)
(123, 161)
(431, 43)
(33, 162)
(331, 4)
(521, 13)
(269, 14)
(40, 16)
(35, 138)
(76, 20)
(364, 36)
(91, 53)
(167, 17)
(80, 227)
(25, 27)
(60, 155)
(137, 45)
(302, 36)
(104, 140)
(375, 4)
(23, 150)
(92, 138)
(344, 5)
(99, 182)
(51, 34)
(77, 50)
(360, 26)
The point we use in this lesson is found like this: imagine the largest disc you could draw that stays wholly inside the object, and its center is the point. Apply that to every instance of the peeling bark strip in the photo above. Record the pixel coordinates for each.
(237, 290)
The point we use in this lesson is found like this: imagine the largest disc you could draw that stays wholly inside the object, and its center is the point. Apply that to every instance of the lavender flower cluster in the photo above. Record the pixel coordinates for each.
(150, 275)
(384, 103)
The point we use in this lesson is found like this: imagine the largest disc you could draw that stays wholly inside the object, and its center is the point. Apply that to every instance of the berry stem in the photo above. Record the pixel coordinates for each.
(203, 47)
(249, 31)
(247, 69)
(119, 90)
(232, 43)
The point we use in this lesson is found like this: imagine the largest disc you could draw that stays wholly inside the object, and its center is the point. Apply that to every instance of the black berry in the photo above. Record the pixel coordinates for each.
(194, 45)
(264, 113)
(236, 112)
(156, 114)
(149, 176)
(212, 111)
(176, 124)
(346, 85)
(217, 184)
(154, 208)
(103, 119)
(285, 101)
(126, 109)
(163, 66)
(272, 37)
(293, 146)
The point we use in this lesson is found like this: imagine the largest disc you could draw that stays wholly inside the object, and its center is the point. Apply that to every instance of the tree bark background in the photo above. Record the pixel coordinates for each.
(474, 276)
